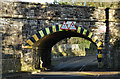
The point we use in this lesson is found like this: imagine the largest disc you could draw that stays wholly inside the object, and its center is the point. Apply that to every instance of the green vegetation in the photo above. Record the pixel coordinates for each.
(93, 4)
(85, 47)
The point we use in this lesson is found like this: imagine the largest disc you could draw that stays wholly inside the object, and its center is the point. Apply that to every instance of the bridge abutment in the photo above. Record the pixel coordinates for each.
(45, 57)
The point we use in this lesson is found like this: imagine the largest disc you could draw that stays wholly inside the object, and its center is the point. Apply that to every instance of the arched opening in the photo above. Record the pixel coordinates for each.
(45, 39)
(73, 54)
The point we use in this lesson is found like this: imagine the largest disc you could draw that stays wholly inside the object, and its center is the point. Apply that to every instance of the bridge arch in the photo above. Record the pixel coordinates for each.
(56, 28)
(49, 36)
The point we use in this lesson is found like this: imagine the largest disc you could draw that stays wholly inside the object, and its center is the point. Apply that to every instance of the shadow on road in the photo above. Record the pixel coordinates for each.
(77, 64)
(65, 75)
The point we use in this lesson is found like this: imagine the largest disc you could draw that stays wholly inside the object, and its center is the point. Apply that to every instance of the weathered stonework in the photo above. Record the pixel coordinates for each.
(19, 21)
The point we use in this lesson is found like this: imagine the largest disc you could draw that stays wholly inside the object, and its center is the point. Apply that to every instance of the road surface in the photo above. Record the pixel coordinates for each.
(78, 64)
(66, 75)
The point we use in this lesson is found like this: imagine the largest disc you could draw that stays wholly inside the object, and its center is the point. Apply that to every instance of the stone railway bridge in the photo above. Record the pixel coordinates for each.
(35, 28)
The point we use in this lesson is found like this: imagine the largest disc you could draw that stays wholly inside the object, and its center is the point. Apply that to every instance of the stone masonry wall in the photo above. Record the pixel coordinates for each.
(19, 21)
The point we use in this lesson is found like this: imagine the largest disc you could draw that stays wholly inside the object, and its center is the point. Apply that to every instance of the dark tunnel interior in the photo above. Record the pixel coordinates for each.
(48, 41)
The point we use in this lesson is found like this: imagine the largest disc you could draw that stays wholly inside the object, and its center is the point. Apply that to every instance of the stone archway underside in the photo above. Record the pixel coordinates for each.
(48, 37)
